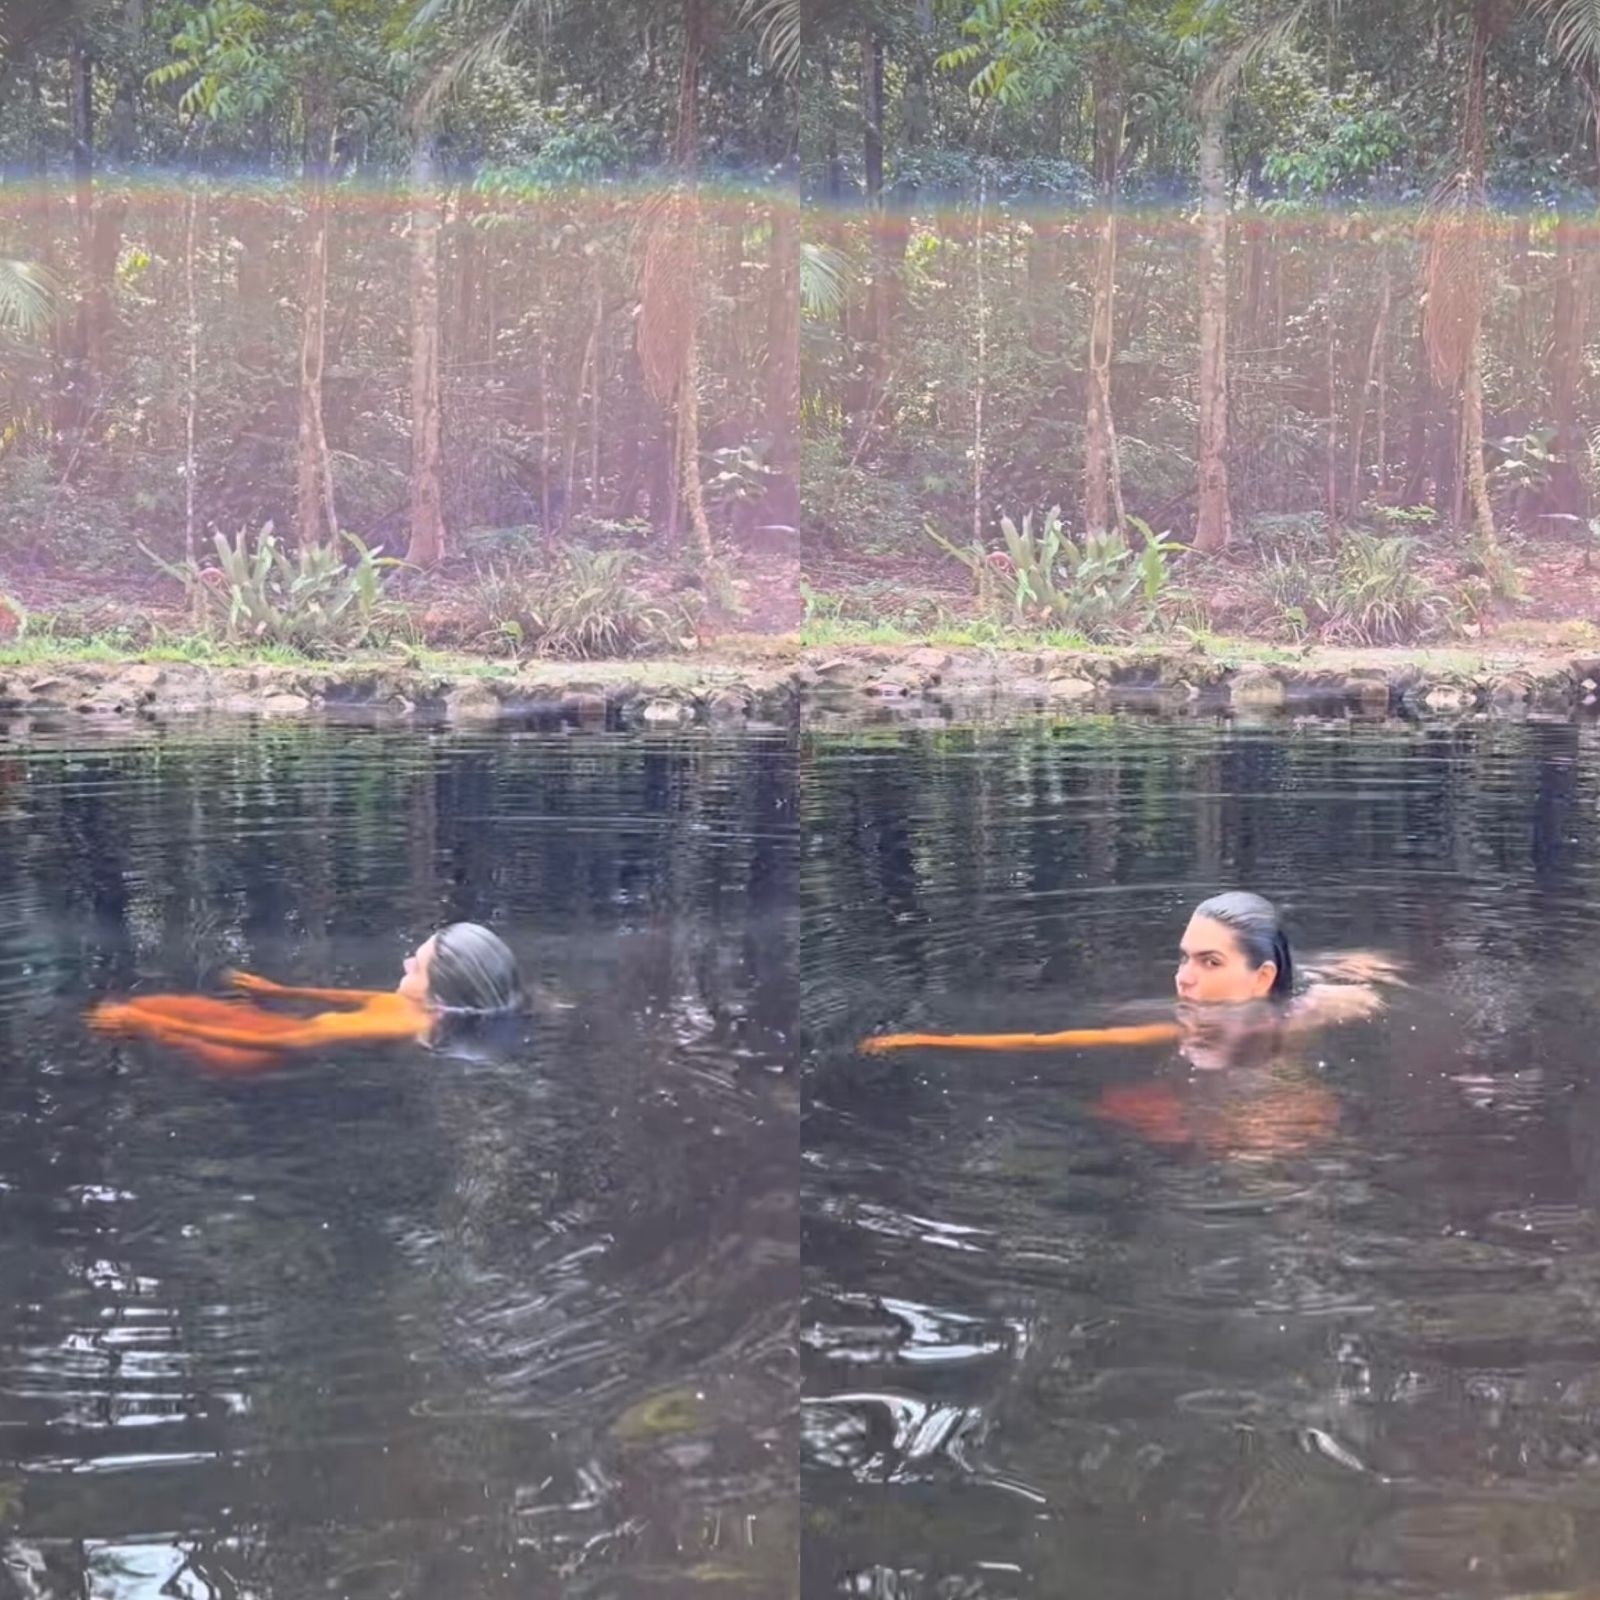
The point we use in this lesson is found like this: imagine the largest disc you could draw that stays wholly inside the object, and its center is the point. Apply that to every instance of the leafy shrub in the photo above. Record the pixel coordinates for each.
(1297, 592)
(1371, 592)
(312, 601)
(585, 606)
(1379, 596)
(1096, 587)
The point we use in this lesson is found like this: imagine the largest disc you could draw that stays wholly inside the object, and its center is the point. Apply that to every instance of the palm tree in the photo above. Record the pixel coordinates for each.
(1574, 30)
(27, 298)
(777, 22)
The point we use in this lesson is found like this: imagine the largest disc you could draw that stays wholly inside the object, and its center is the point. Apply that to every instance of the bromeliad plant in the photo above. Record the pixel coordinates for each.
(584, 607)
(1097, 587)
(313, 601)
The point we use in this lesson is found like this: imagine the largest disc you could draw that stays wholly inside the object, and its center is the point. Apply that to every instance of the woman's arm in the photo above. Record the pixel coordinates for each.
(177, 1018)
(251, 984)
(1071, 1039)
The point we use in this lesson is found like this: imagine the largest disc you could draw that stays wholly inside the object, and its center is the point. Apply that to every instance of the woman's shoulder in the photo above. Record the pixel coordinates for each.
(1318, 1003)
(1352, 966)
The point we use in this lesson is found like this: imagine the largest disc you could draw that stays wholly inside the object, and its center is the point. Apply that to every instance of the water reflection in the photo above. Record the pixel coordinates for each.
(389, 1322)
(1323, 1324)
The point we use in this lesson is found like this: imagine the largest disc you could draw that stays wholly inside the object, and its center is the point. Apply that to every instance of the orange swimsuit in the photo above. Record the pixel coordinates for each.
(237, 1037)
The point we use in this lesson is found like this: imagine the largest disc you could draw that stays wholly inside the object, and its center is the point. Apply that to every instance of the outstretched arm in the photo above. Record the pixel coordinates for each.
(1071, 1039)
(251, 984)
(177, 1019)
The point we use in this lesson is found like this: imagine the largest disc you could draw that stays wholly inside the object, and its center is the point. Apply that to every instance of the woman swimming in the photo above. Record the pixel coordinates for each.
(1234, 953)
(462, 972)
(1240, 1009)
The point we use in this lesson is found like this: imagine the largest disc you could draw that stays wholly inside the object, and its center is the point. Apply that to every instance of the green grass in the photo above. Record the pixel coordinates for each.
(46, 650)
(970, 635)
(992, 636)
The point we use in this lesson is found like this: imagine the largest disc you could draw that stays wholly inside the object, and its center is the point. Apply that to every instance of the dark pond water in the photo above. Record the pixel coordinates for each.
(1324, 1323)
(386, 1323)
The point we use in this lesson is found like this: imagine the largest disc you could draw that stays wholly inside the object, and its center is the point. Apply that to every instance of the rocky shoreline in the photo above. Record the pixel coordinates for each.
(1405, 683)
(584, 694)
(780, 687)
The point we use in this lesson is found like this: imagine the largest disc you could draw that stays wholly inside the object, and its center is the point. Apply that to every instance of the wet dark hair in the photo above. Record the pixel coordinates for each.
(473, 971)
(1256, 925)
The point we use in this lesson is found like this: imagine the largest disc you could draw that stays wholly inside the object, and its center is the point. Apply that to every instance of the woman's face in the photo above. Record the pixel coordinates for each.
(1213, 969)
(414, 985)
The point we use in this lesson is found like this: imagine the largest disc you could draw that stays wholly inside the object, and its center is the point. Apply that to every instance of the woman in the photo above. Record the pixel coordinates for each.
(1234, 953)
(1239, 1008)
(462, 974)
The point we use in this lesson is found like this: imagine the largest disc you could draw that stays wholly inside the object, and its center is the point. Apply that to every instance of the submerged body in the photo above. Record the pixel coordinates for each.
(464, 970)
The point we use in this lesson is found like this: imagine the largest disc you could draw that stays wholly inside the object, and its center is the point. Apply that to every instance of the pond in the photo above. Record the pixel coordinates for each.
(1106, 1324)
(385, 1322)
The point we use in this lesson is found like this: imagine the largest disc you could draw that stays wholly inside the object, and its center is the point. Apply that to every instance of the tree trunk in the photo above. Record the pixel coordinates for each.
(125, 109)
(596, 393)
(47, 239)
(1099, 430)
(875, 360)
(546, 502)
(982, 375)
(75, 399)
(1382, 347)
(689, 484)
(918, 115)
(782, 374)
(1567, 494)
(192, 391)
(1477, 479)
(464, 341)
(1102, 489)
(1330, 445)
(1476, 145)
(428, 544)
(315, 519)
(572, 421)
(686, 150)
(1374, 378)
(1213, 528)
(111, 207)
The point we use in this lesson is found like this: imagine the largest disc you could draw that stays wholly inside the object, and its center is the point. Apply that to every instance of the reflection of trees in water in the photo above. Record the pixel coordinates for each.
(391, 1323)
